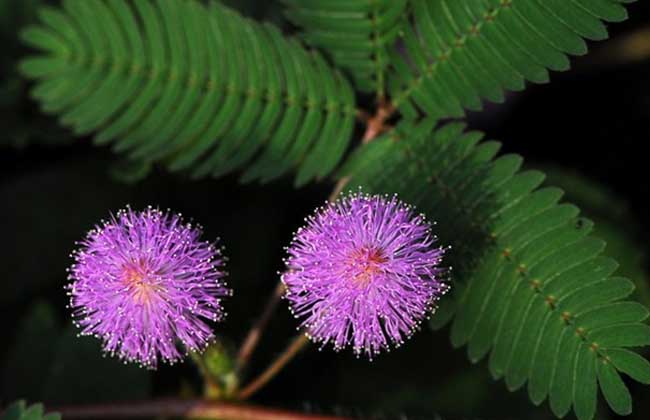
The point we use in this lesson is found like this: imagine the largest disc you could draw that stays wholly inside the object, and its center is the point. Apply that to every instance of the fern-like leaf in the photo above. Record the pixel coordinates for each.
(193, 87)
(356, 34)
(458, 52)
(531, 286)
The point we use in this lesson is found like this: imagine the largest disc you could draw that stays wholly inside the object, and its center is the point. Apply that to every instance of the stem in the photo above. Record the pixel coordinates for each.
(341, 183)
(375, 125)
(277, 365)
(184, 409)
(254, 335)
(212, 389)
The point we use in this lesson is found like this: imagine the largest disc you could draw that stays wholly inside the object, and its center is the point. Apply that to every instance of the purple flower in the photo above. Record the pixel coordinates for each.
(363, 272)
(142, 282)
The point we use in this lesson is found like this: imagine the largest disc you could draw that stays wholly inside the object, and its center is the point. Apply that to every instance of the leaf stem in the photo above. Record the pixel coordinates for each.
(212, 388)
(183, 409)
(281, 361)
(252, 339)
(375, 125)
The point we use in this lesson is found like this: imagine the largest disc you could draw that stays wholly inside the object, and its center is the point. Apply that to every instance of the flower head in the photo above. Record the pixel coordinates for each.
(142, 282)
(363, 272)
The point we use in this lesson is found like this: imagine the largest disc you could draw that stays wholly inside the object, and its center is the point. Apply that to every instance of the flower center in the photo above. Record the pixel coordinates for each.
(141, 286)
(366, 262)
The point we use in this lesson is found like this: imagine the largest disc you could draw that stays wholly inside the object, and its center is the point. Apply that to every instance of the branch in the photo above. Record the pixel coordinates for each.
(277, 365)
(184, 409)
(375, 125)
(248, 347)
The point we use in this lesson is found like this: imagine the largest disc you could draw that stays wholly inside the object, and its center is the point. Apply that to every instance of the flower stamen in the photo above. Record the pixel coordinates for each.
(366, 262)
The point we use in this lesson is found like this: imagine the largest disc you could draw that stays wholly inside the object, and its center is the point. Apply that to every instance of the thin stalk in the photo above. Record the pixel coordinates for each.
(212, 388)
(375, 125)
(252, 339)
(296, 345)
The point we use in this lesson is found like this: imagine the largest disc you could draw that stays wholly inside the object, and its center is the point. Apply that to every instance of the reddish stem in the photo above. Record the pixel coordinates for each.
(375, 125)
(254, 335)
(185, 409)
(296, 345)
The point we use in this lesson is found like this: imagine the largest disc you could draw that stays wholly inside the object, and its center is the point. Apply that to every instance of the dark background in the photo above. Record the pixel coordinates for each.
(589, 128)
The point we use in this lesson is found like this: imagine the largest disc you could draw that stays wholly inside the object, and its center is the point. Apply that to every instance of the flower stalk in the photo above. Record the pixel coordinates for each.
(252, 339)
(280, 362)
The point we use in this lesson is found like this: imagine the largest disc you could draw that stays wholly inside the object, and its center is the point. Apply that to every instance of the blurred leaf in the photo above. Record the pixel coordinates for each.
(444, 313)
(55, 365)
(218, 359)
(475, 384)
(19, 411)
(18, 127)
(14, 14)
(51, 206)
(217, 365)
(267, 11)
(80, 372)
(28, 361)
(130, 171)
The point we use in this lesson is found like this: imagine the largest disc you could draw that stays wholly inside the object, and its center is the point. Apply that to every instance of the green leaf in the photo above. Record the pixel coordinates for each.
(19, 411)
(621, 335)
(14, 411)
(61, 374)
(614, 390)
(26, 364)
(357, 34)
(444, 313)
(217, 365)
(618, 313)
(34, 412)
(585, 387)
(130, 171)
(458, 52)
(630, 363)
(532, 287)
(615, 223)
(69, 381)
(15, 13)
(190, 87)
